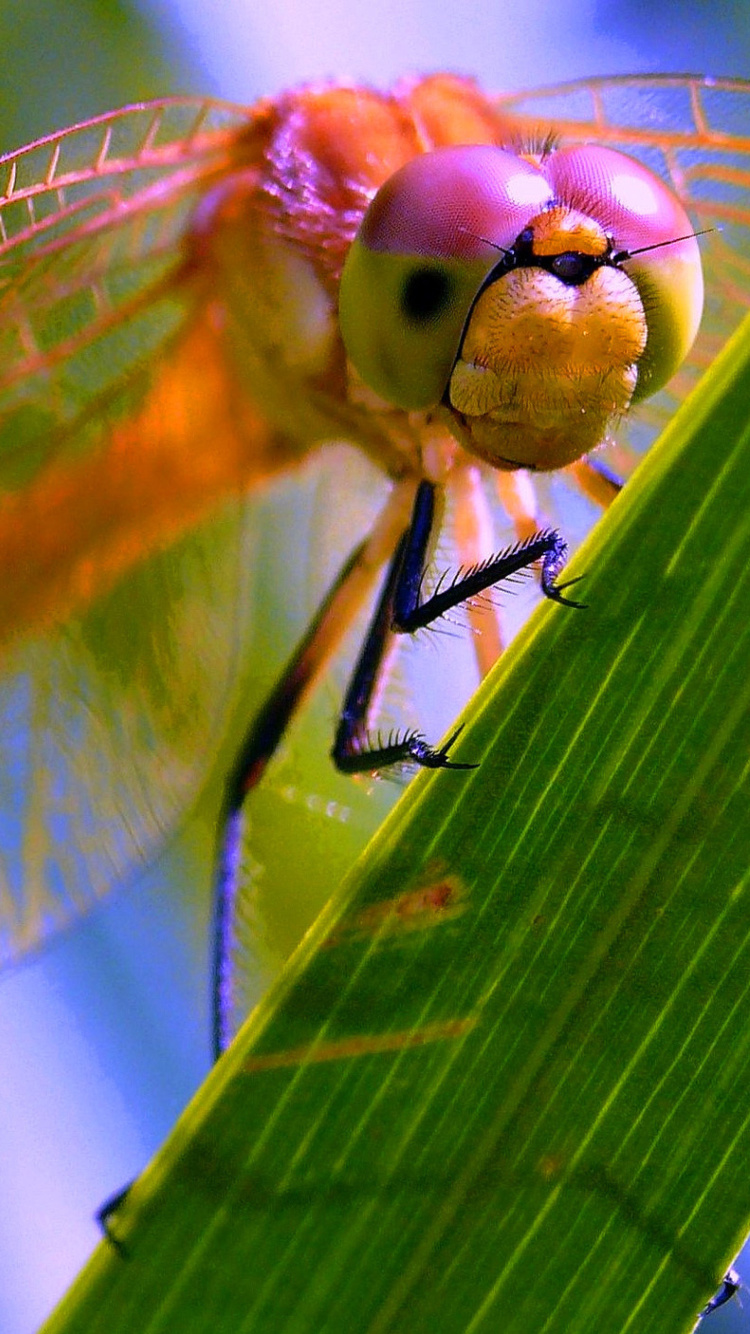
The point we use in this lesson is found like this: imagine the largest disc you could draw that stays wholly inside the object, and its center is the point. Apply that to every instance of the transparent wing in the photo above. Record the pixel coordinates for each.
(110, 723)
(92, 294)
(695, 133)
(91, 227)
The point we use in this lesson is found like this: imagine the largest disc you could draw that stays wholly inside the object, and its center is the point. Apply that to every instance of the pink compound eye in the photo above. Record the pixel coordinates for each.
(455, 203)
(439, 225)
(431, 235)
(640, 214)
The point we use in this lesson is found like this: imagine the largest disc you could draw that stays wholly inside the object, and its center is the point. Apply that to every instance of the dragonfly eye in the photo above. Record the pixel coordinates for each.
(636, 209)
(431, 237)
(427, 242)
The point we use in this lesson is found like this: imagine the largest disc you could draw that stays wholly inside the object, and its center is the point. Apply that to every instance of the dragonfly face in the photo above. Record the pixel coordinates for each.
(170, 339)
(537, 297)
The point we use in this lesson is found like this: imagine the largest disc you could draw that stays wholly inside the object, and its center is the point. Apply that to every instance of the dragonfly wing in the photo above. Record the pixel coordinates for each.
(115, 668)
(93, 291)
(92, 222)
(148, 378)
(110, 725)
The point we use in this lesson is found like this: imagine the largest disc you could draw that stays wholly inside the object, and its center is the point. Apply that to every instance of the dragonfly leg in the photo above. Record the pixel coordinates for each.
(596, 480)
(473, 529)
(400, 609)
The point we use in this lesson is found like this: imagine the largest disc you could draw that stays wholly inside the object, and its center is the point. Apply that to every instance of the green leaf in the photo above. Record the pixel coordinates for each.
(503, 1082)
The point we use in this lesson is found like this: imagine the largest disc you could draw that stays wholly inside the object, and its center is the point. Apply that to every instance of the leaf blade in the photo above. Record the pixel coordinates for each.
(500, 1084)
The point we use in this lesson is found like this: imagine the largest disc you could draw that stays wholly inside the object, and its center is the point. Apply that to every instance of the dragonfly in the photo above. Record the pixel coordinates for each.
(189, 294)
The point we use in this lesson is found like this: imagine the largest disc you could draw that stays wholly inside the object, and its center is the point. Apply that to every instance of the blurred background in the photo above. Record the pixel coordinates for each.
(104, 1036)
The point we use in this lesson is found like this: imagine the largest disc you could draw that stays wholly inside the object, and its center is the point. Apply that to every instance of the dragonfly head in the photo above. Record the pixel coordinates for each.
(535, 298)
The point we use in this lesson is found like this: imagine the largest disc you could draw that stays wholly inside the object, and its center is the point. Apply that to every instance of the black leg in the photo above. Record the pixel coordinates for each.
(260, 743)
(354, 749)
(400, 609)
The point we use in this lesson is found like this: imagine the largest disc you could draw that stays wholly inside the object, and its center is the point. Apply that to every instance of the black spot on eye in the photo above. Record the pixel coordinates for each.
(425, 294)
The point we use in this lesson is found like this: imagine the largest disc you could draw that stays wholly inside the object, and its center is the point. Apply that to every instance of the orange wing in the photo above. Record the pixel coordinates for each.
(90, 292)
(92, 289)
